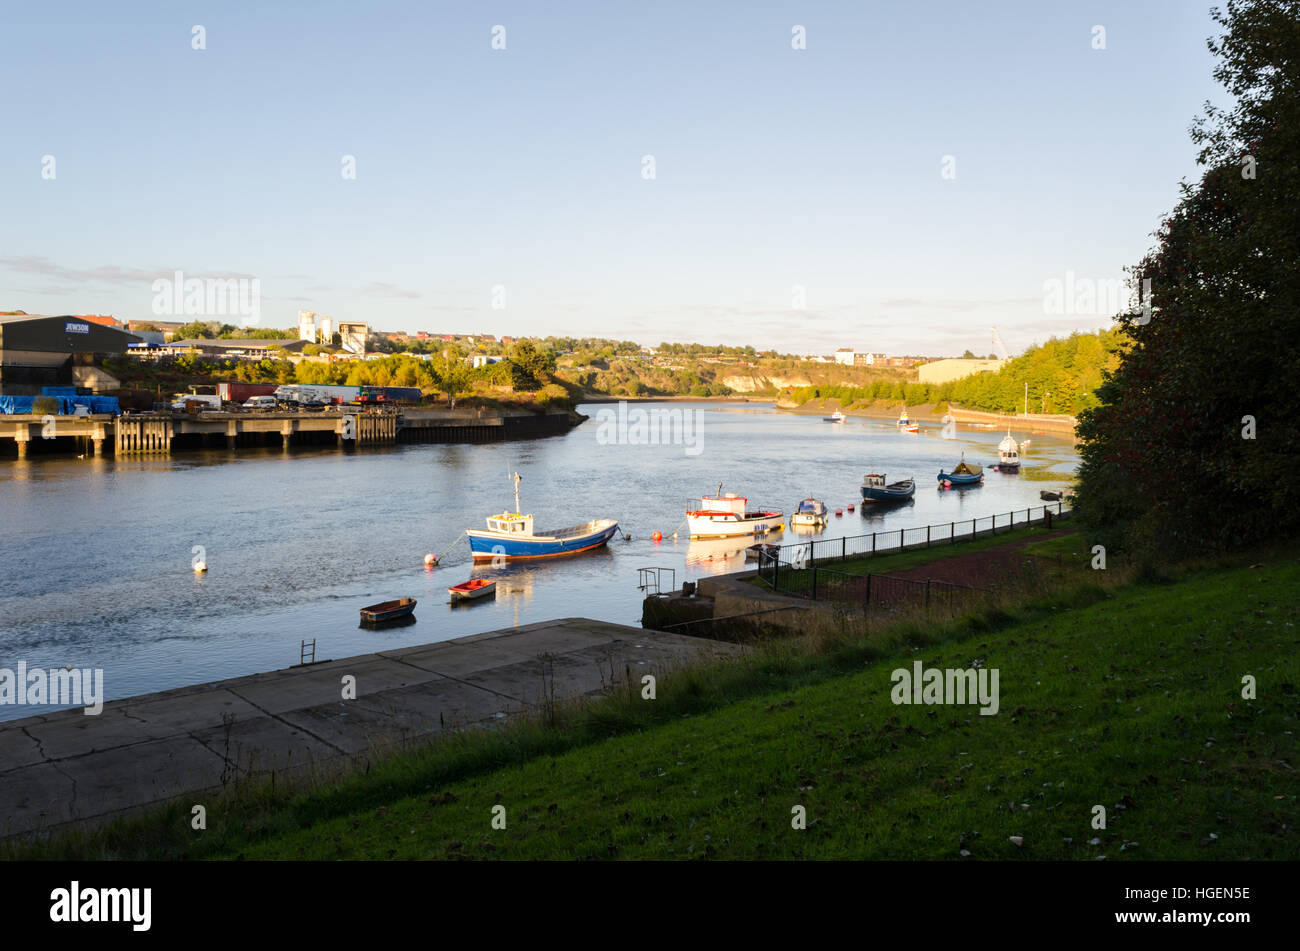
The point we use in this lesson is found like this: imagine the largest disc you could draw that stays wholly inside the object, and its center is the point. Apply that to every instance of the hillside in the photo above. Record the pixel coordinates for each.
(1060, 376)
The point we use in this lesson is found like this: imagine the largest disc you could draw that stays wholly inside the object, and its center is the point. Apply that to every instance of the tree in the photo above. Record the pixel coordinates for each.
(452, 374)
(530, 367)
(1191, 445)
(198, 329)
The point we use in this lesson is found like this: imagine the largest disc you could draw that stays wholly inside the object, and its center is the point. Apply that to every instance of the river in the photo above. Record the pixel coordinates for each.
(95, 556)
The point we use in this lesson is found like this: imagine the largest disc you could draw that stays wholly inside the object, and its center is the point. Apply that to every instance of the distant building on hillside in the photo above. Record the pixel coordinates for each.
(354, 334)
(313, 328)
(167, 328)
(844, 356)
(945, 371)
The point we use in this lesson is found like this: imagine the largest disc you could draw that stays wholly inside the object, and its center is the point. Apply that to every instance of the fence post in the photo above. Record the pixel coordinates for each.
(927, 536)
(952, 533)
(844, 547)
(900, 539)
(873, 543)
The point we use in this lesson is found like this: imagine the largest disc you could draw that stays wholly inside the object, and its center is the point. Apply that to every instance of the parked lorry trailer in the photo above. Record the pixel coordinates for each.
(315, 393)
(242, 392)
(389, 394)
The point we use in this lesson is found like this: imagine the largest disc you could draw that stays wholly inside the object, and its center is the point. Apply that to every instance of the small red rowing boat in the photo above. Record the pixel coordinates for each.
(472, 589)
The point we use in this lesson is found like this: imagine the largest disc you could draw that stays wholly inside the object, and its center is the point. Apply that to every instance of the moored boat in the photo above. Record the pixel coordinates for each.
(727, 516)
(811, 512)
(388, 610)
(903, 419)
(510, 536)
(1008, 455)
(964, 473)
(876, 489)
(473, 589)
(836, 417)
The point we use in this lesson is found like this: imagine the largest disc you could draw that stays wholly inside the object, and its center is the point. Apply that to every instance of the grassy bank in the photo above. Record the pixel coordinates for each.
(1127, 697)
(1133, 703)
(1042, 542)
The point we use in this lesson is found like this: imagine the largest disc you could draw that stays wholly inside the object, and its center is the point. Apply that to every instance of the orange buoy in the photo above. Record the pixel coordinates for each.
(657, 536)
(430, 560)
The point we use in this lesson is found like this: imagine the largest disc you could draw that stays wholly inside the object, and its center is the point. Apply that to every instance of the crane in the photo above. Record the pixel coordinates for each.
(998, 346)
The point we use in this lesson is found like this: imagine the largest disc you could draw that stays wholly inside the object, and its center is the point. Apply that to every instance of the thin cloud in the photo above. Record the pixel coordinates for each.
(387, 290)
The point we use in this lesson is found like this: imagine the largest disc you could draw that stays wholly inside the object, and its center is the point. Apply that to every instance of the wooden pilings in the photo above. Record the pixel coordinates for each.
(142, 435)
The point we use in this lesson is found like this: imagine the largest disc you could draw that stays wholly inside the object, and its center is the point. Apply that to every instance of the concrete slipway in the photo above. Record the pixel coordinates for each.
(67, 767)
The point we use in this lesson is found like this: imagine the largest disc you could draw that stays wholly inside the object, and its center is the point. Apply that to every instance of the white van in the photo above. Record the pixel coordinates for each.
(207, 401)
(254, 403)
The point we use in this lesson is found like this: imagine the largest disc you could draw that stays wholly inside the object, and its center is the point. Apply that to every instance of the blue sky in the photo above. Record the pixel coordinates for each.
(522, 168)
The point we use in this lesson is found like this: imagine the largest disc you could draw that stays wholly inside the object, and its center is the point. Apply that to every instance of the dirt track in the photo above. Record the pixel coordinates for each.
(978, 569)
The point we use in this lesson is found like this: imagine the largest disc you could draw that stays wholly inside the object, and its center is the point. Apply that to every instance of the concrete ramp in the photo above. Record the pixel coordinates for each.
(67, 767)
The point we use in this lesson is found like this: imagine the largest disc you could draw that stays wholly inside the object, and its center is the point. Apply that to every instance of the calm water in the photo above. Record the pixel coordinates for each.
(95, 556)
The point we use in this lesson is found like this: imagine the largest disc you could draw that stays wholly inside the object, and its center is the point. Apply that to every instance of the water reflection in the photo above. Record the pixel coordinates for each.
(95, 556)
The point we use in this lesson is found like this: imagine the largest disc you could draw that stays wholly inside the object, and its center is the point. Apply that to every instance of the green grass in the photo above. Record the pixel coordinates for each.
(1129, 695)
(797, 580)
(1133, 703)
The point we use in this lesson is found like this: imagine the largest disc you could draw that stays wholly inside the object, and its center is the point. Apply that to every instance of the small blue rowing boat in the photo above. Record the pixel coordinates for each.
(388, 610)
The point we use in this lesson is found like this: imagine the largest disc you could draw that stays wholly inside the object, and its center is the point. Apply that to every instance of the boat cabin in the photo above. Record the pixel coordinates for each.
(812, 507)
(510, 523)
(1008, 450)
(729, 504)
(874, 481)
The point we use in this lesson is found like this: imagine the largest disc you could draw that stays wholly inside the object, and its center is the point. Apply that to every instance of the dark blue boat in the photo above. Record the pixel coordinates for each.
(874, 489)
(962, 474)
(388, 610)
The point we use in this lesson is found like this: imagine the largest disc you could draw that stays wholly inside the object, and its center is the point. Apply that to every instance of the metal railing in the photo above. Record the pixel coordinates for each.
(822, 550)
(827, 584)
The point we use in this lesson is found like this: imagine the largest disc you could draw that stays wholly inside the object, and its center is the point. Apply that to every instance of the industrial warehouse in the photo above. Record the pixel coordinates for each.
(39, 351)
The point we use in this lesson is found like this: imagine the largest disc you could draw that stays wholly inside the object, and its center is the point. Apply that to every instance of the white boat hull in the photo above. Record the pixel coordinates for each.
(732, 526)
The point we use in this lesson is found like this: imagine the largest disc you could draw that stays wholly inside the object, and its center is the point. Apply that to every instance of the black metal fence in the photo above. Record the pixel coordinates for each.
(828, 584)
(800, 569)
(821, 550)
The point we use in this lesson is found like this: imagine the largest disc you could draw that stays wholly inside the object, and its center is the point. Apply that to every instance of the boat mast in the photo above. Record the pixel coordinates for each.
(517, 512)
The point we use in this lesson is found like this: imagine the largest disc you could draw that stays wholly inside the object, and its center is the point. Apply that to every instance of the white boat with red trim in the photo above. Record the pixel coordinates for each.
(729, 516)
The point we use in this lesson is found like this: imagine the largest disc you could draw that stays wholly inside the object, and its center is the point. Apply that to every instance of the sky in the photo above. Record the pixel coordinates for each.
(913, 175)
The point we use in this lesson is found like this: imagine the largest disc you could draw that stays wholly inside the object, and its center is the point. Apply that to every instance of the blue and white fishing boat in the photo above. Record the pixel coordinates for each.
(510, 536)
(876, 489)
(811, 513)
(836, 417)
